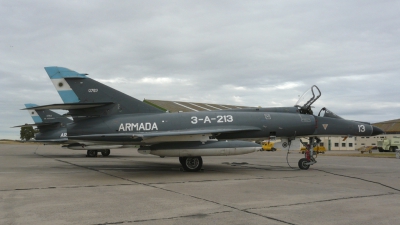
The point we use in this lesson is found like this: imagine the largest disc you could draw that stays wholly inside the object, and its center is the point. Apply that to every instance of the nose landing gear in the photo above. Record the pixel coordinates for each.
(305, 163)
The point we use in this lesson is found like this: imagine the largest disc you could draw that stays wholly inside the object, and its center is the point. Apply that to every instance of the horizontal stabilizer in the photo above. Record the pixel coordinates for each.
(37, 124)
(71, 106)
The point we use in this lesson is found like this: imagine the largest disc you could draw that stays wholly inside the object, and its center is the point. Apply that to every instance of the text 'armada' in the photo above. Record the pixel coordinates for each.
(137, 126)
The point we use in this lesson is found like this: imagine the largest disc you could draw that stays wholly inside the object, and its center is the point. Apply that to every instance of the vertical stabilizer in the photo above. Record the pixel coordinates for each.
(58, 76)
(35, 116)
(46, 116)
(51, 125)
(76, 87)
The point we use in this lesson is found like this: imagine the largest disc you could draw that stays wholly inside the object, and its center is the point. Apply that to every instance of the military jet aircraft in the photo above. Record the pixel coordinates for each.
(51, 125)
(52, 129)
(103, 115)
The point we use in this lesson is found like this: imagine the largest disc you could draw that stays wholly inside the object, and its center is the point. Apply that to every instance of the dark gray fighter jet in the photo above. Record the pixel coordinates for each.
(52, 129)
(103, 115)
(51, 126)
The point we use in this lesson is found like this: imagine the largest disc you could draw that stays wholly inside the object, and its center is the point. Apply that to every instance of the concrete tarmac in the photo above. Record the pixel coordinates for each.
(50, 185)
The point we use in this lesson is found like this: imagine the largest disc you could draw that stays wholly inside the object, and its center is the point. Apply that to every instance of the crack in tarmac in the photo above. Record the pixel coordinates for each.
(165, 218)
(336, 174)
(326, 200)
(155, 183)
(67, 187)
(358, 178)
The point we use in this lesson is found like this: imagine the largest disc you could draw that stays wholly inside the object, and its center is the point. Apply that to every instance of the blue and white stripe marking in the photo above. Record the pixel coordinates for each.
(65, 91)
(35, 116)
(57, 75)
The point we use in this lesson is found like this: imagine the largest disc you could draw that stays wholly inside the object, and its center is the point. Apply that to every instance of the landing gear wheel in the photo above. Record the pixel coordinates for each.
(303, 165)
(191, 164)
(91, 153)
(105, 152)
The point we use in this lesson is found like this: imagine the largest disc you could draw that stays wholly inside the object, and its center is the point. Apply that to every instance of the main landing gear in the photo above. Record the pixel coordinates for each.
(105, 152)
(93, 153)
(309, 159)
(191, 164)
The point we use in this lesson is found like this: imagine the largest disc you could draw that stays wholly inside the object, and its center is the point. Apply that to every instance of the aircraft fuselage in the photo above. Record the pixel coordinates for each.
(258, 125)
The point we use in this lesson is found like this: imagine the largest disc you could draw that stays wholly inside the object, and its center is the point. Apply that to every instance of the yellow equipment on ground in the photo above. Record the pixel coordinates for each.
(268, 146)
(366, 149)
(317, 149)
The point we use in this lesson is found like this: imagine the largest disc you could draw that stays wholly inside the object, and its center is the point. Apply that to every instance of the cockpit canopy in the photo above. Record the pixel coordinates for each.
(308, 98)
(327, 113)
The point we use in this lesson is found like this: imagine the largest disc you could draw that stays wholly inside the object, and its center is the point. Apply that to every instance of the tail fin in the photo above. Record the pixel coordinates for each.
(51, 125)
(35, 116)
(45, 118)
(75, 87)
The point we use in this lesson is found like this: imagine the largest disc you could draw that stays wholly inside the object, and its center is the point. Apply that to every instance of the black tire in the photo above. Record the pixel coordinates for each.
(392, 149)
(192, 164)
(302, 164)
(380, 149)
(105, 152)
(91, 153)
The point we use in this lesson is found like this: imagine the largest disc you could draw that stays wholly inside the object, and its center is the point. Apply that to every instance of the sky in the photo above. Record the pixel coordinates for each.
(251, 53)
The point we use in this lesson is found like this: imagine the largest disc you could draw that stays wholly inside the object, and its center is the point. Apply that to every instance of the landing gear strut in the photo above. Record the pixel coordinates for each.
(191, 164)
(309, 159)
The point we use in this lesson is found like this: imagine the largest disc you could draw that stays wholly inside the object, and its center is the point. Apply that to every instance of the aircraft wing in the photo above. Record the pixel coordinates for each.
(160, 134)
(198, 131)
(53, 140)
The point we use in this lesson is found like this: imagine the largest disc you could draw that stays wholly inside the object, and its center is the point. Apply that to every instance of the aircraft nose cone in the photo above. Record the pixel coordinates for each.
(376, 131)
